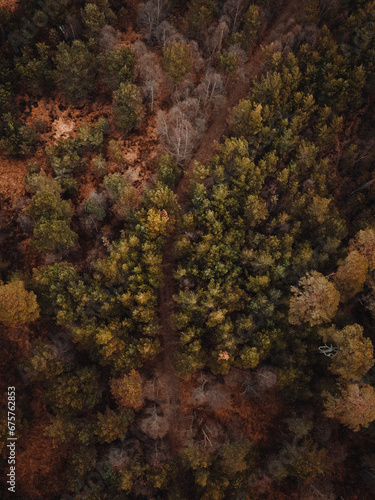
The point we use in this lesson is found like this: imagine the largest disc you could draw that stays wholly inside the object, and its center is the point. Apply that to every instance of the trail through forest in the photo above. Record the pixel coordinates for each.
(219, 127)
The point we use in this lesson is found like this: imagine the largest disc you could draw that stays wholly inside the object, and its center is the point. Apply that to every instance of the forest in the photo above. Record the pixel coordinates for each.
(187, 249)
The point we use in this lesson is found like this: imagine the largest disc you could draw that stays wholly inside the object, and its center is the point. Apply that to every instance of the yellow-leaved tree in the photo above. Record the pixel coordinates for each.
(17, 305)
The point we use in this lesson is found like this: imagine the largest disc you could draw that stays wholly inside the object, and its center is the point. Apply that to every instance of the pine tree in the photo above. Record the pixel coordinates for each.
(176, 61)
(75, 70)
(128, 110)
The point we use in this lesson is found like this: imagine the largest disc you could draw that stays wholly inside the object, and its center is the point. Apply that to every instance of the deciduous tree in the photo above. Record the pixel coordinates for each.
(17, 305)
(314, 301)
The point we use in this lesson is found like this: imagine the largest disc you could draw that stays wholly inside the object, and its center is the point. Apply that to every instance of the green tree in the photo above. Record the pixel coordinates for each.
(117, 67)
(113, 425)
(168, 170)
(93, 19)
(128, 110)
(53, 235)
(35, 72)
(236, 457)
(251, 25)
(17, 305)
(176, 61)
(314, 301)
(200, 15)
(61, 291)
(74, 392)
(228, 62)
(75, 70)
(50, 206)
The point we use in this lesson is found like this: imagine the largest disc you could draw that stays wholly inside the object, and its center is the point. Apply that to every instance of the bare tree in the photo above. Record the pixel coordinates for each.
(166, 33)
(215, 36)
(150, 15)
(149, 72)
(109, 37)
(156, 424)
(179, 129)
(210, 89)
(234, 10)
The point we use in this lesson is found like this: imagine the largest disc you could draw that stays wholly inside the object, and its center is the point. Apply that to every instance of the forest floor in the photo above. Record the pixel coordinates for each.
(219, 128)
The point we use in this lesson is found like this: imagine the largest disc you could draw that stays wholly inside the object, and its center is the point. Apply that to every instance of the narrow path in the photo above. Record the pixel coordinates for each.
(220, 126)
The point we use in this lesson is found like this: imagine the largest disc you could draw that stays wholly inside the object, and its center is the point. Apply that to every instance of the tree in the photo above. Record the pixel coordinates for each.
(355, 356)
(75, 70)
(150, 15)
(200, 15)
(235, 457)
(113, 425)
(247, 119)
(74, 392)
(168, 170)
(50, 206)
(121, 192)
(149, 71)
(17, 305)
(314, 301)
(60, 291)
(35, 72)
(127, 390)
(93, 19)
(179, 128)
(364, 243)
(351, 275)
(251, 25)
(234, 10)
(117, 67)
(53, 235)
(354, 406)
(128, 110)
(176, 61)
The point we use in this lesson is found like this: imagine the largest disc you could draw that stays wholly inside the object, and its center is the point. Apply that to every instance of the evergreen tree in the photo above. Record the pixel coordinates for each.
(75, 70)
(176, 61)
(128, 110)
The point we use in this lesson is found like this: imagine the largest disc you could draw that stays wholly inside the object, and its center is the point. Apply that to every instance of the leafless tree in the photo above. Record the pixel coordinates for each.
(180, 128)
(210, 89)
(109, 37)
(155, 424)
(166, 33)
(215, 36)
(266, 377)
(234, 10)
(150, 15)
(149, 72)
